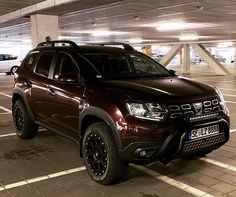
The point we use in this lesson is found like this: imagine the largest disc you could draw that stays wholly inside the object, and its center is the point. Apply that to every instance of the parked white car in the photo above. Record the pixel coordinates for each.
(9, 63)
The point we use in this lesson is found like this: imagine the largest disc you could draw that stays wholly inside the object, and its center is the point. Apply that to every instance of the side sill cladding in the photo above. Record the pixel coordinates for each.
(103, 115)
(19, 93)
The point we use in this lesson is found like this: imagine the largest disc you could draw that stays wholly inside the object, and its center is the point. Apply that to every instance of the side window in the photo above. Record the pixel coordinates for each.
(1, 57)
(31, 60)
(65, 66)
(44, 63)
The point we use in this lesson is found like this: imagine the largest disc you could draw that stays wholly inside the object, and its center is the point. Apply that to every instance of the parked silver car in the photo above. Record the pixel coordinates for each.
(9, 63)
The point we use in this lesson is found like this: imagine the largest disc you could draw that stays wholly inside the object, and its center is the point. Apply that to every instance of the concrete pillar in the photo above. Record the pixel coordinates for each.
(186, 64)
(180, 58)
(147, 50)
(42, 26)
(234, 61)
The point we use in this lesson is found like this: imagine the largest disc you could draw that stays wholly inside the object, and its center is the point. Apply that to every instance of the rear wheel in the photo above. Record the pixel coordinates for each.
(25, 128)
(101, 155)
(14, 69)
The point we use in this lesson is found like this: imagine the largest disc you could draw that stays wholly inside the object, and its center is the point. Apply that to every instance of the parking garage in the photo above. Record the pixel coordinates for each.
(194, 38)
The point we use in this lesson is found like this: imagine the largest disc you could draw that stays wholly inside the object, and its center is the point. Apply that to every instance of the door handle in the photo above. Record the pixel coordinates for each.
(51, 92)
(29, 84)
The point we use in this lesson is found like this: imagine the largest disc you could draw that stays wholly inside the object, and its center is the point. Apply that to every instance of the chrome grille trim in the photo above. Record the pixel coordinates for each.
(195, 110)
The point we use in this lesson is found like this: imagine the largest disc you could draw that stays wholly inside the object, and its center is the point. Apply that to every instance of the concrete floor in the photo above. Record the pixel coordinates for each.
(48, 165)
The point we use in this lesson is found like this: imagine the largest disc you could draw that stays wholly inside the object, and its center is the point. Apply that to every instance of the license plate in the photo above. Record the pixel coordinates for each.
(203, 132)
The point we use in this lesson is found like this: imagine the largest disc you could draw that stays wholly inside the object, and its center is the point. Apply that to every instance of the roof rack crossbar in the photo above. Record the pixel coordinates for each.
(52, 43)
(126, 46)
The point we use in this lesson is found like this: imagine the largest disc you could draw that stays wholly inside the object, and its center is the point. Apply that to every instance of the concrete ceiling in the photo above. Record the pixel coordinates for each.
(130, 20)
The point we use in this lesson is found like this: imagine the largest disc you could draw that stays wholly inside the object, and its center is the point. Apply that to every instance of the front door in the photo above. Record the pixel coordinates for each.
(65, 98)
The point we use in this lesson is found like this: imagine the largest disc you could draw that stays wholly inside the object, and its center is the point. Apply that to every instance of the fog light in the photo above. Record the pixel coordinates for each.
(142, 153)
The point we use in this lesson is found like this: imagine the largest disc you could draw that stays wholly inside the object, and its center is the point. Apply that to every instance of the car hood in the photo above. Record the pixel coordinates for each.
(163, 88)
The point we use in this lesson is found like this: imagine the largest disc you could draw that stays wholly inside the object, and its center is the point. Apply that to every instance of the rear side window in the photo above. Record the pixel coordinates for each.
(44, 64)
(31, 60)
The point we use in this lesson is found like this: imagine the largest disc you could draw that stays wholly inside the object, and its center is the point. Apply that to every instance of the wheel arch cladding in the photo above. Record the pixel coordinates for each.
(19, 94)
(94, 114)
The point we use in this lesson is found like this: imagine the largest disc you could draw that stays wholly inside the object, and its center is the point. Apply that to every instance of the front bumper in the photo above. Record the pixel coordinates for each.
(176, 145)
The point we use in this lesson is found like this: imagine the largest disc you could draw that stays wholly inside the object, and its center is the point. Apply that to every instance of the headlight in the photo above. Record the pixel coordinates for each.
(150, 111)
(222, 101)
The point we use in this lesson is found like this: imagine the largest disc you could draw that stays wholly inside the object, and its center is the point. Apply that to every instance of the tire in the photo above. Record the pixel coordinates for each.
(14, 69)
(25, 128)
(101, 155)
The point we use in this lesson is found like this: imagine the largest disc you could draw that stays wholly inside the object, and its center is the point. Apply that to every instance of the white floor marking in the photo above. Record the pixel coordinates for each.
(218, 163)
(5, 113)
(41, 178)
(232, 102)
(227, 89)
(232, 95)
(173, 182)
(232, 130)
(5, 109)
(7, 95)
(6, 135)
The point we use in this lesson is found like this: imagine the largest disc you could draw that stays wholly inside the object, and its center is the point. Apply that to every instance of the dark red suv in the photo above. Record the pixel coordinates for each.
(120, 105)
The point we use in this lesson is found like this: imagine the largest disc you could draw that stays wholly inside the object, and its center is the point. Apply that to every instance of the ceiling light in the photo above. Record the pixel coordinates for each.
(26, 41)
(225, 44)
(188, 36)
(179, 25)
(99, 33)
(135, 40)
(171, 26)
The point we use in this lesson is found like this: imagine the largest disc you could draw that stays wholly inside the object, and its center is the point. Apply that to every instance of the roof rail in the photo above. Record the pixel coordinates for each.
(126, 46)
(62, 42)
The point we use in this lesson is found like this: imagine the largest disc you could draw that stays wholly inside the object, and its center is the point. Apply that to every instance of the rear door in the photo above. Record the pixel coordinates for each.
(39, 81)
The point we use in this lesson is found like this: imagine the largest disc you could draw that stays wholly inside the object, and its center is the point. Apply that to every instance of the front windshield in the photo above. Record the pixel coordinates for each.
(119, 66)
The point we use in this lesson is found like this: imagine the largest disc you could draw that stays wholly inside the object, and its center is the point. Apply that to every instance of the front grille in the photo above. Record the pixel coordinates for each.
(202, 144)
(195, 110)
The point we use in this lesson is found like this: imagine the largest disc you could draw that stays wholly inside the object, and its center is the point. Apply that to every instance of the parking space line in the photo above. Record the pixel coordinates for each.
(218, 163)
(232, 102)
(173, 182)
(5, 109)
(7, 135)
(7, 95)
(41, 178)
(5, 113)
(231, 95)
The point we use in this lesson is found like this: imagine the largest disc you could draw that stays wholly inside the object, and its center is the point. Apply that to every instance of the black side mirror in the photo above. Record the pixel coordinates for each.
(173, 72)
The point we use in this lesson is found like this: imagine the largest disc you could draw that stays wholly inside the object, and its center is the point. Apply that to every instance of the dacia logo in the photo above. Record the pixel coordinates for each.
(198, 108)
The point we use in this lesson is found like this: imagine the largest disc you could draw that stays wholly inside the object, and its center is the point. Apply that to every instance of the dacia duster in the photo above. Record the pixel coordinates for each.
(120, 105)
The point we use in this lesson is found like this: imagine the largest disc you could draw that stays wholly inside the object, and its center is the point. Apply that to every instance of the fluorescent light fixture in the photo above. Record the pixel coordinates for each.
(99, 33)
(188, 36)
(135, 40)
(225, 44)
(26, 41)
(179, 25)
(171, 26)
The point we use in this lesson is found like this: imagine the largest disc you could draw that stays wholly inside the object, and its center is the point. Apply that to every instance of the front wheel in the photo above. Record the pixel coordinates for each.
(101, 155)
(25, 128)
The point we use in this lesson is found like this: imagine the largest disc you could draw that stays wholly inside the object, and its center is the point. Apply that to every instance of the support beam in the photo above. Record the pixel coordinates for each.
(209, 59)
(42, 26)
(186, 65)
(171, 54)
